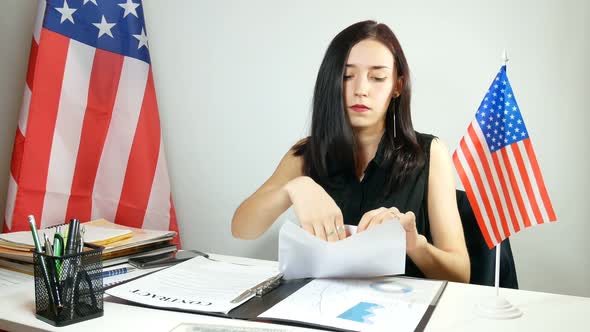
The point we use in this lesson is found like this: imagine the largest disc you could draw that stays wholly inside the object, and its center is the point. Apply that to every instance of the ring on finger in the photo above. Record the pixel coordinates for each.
(340, 228)
(331, 232)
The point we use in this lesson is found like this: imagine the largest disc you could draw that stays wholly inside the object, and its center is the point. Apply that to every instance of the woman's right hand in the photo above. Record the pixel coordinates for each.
(317, 212)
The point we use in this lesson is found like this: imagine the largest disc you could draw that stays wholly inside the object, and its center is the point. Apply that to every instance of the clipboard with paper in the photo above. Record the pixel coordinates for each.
(208, 286)
(200, 285)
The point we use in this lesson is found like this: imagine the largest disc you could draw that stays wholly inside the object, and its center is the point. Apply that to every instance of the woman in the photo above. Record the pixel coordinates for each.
(363, 163)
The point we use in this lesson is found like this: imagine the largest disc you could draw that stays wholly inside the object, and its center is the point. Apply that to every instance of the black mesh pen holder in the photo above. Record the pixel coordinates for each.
(69, 289)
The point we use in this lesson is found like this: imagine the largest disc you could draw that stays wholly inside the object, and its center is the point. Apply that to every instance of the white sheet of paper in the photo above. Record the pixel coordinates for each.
(378, 251)
(380, 304)
(9, 278)
(198, 284)
(196, 327)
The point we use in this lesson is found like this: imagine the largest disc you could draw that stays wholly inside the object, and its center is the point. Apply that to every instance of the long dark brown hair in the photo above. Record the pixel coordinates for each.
(330, 151)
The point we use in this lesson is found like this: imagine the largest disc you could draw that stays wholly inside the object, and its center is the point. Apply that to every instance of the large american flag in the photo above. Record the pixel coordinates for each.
(496, 163)
(88, 143)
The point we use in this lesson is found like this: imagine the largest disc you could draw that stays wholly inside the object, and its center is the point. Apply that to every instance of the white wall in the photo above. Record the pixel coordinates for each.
(234, 82)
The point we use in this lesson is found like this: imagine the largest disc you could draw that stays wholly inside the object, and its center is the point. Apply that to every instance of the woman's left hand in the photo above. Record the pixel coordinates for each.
(407, 220)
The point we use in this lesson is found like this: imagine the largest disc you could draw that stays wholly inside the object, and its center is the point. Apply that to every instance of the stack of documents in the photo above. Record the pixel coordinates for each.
(95, 234)
(142, 242)
(120, 243)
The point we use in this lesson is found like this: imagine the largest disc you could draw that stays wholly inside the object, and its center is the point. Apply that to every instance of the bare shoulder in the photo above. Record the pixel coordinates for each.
(292, 160)
(291, 165)
(441, 179)
(441, 166)
(300, 146)
(438, 147)
(439, 153)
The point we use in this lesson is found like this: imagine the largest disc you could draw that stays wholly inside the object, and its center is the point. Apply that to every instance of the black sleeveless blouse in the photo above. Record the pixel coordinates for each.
(355, 198)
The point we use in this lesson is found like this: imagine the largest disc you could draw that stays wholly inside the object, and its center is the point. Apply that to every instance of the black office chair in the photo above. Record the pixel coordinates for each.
(483, 260)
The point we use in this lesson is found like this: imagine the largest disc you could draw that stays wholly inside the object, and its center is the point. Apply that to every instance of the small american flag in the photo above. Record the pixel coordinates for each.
(496, 163)
(88, 143)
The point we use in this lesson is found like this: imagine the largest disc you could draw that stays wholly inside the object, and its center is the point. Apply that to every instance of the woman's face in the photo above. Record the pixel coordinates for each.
(369, 84)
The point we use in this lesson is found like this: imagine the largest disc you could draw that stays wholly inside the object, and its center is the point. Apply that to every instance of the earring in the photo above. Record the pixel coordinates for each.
(394, 109)
(395, 100)
(394, 125)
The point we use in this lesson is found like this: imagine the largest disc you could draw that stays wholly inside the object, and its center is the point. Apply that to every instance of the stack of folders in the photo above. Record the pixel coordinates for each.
(120, 243)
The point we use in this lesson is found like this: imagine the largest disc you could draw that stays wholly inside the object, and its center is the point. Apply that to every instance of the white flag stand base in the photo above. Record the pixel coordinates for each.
(497, 308)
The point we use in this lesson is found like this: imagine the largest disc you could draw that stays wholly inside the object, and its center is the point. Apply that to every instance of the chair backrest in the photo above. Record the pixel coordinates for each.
(483, 260)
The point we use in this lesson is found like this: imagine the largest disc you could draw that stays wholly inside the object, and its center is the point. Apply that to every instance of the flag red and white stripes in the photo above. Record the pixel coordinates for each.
(497, 165)
(88, 143)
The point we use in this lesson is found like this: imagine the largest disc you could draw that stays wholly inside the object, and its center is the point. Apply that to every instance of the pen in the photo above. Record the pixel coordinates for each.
(48, 248)
(81, 240)
(53, 276)
(111, 273)
(35, 235)
(58, 250)
(58, 244)
(72, 236)
(44, 270)
(200, 253)
(71, 248)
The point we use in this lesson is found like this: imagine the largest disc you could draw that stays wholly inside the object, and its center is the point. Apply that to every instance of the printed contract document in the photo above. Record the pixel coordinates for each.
(378, 251)
(199, 284)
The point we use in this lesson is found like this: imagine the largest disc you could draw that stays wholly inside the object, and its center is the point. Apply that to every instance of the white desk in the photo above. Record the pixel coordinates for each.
(542, 312)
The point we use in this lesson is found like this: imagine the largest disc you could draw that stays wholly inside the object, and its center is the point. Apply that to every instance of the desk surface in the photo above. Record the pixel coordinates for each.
(455, 312)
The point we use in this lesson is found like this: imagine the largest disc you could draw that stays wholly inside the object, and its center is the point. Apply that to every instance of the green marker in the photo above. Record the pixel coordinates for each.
(58, 244)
